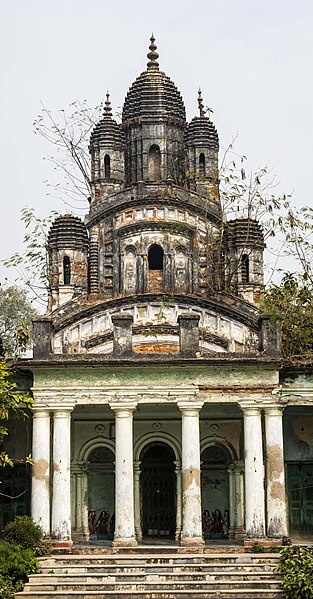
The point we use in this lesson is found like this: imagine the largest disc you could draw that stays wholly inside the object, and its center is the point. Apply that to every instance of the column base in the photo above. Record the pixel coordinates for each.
(262, 541)
(191, 542)
(128, 542)
(61, 544)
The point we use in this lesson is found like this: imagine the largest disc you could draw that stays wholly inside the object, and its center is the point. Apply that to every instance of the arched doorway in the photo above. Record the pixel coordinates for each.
(101, 491)
(215, 491)
(155, 266)
(158, 491)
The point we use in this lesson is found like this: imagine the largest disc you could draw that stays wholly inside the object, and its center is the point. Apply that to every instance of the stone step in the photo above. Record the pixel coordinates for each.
(165, 594)
(121, 571)
(171, 576)
(155, 585)
(174, 558)
(77, 577)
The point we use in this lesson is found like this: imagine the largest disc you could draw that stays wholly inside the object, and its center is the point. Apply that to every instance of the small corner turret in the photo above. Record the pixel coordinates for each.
(243, 251)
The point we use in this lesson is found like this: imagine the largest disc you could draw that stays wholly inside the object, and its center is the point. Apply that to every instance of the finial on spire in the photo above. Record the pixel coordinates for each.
(152, 55)
(107, 106)
(200, 102)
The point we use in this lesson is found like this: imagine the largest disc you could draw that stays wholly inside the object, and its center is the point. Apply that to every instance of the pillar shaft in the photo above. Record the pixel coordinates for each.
(61, 504)
(40, 498)
(124, 484)
(192, 513)
(178, 501)
(254, 473)
(275, 473)
(137, 504)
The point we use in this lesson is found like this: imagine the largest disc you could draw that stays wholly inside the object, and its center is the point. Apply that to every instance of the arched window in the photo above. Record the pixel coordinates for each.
(66, 270)
(154, 163)
(245, 268)
(107, 167)
(155, 257)
(202, 165)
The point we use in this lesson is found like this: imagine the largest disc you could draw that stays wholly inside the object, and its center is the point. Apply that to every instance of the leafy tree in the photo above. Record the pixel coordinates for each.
(16, 313)
(292, 303)
(12, 405)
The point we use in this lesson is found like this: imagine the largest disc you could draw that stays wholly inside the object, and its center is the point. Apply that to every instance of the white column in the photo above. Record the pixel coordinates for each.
(124, 477)
(178, 501)
(254, 473)
(232, 501)
(84, 499)
(239, 499)
(275, 473)
(192, 513)
(138, 530)
(61, 502)
(40, 498)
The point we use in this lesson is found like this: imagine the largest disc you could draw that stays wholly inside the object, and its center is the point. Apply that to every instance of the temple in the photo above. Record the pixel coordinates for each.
(158, 410)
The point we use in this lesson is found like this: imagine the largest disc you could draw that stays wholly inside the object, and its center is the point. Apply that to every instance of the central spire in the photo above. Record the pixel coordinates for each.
(107, 111)
(200, 103)
(152, 55)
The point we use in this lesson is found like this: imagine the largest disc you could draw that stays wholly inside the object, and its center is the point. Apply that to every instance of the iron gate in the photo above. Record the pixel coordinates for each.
(158, 492)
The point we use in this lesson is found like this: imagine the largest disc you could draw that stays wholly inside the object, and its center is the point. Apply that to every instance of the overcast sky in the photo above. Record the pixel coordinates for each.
(252, 59)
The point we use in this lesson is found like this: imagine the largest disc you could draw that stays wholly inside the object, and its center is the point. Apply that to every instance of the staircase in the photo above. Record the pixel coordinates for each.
(156, 576)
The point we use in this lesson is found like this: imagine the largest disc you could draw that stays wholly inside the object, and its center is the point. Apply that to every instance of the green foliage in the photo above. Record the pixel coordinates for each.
(297, 569)
(31, 265)
(12, 404)
(16, 563)
(23, 531)
(8, 588)
(292, 303)
(16, 313)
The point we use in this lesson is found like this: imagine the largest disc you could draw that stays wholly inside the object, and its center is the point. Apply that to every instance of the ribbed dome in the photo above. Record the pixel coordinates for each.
(245, 232)
(68, 232)
(107, 132)
(201, 131)
(153, 96)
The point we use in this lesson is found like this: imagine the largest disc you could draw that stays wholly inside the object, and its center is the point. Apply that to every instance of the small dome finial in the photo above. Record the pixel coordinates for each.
(200, 102)
(152, 55)
(107, 106)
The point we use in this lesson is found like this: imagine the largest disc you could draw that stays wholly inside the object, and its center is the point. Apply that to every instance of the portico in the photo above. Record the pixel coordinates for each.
(178, 420)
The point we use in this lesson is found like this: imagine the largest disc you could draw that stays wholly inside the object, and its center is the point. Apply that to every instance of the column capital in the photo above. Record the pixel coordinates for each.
(62, 412)
(250, 409)
(274, 410)
(39, 412)
(123, 410)
(189, 408)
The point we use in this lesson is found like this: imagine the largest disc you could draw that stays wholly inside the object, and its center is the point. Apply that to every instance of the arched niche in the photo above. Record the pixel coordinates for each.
(155, 269)
(216, 454)
(181, 274)
(202, 165)
(130, 271)
(244, 268)
(66, 270)
(154, 163)
(107, 167)
(101, 485)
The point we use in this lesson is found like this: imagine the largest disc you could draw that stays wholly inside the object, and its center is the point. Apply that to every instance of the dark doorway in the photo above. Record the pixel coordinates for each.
(300, 497)
(158, 491)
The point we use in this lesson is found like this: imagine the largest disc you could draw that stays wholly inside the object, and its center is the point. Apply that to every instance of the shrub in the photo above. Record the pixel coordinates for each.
(16, 564)
(296, 566)
(23, 531)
